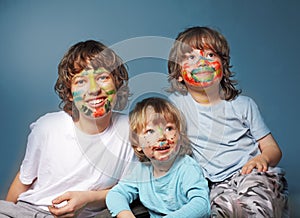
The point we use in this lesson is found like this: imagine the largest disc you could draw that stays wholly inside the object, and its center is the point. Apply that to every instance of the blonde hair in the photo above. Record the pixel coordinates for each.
(138, 122)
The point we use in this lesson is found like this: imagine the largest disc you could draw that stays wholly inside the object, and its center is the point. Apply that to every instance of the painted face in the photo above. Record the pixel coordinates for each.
(93, 92)
(201, 68)
(159, 138)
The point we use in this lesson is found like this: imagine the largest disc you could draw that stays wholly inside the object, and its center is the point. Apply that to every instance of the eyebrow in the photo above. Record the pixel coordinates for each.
(98, 71)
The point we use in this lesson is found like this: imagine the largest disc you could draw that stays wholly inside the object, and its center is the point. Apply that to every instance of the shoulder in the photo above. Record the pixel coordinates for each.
(174, 97)
(54, 117)
(190, 173)
(189, 165)
(183, 102)
(242, 99)
(53, 120)
(138, 172)
(120, 120)
(119, 117)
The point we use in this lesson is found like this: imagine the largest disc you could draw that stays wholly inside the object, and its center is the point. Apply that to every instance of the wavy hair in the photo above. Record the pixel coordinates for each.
(201, 38)
(87, 55)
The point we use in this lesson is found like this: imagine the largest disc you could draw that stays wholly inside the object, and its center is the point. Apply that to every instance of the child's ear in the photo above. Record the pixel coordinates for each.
(180, 79)
(139, 148)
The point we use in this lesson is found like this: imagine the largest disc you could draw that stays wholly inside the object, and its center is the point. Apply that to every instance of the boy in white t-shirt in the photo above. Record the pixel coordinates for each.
(75, 156)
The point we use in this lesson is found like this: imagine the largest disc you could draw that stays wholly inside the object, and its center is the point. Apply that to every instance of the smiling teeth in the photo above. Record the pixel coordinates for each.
(97, 101)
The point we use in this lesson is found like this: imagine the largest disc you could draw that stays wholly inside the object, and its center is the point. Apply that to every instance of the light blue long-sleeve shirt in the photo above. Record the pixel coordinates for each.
(182, 192)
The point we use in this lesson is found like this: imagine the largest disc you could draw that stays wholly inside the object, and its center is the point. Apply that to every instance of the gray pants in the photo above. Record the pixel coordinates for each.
(26, 210)
(22, 210)
(256, 195)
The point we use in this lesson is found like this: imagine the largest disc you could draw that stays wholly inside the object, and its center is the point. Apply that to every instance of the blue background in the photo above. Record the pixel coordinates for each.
(264, 37)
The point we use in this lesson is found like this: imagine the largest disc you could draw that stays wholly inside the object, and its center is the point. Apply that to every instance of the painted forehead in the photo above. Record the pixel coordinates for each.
(100, 70)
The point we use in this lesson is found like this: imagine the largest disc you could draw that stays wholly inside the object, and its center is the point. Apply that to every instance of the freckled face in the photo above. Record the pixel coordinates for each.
(159, 138)
(201, 68)
(93, 92)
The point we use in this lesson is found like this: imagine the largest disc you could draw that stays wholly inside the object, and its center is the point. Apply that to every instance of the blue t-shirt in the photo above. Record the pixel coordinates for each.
(224, 136)
(181, 192)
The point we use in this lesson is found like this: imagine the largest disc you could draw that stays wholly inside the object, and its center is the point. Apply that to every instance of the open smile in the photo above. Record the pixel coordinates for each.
(161, 148)
(97, 102)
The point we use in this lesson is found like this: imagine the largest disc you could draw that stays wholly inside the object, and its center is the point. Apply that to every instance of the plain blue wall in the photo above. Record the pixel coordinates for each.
(36, 33)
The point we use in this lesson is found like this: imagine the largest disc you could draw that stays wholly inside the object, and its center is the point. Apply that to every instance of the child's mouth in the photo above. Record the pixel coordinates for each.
(162, 148)
(94, 103)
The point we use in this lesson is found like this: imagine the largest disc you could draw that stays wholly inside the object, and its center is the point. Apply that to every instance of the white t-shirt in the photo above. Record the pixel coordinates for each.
(63, 158)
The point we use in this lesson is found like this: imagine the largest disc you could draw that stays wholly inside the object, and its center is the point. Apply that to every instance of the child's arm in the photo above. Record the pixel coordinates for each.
(119, 198)
(270, 156)
(16, 188)
(125, 214)
(195, 187)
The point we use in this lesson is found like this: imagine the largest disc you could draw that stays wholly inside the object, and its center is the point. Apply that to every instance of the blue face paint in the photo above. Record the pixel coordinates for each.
(202, 59)
(162, 144)
(77, 95)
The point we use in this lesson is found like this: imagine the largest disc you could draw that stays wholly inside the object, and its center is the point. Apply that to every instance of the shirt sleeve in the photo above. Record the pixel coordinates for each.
(120, 196)
(195, 187)
(257, 125)
(30, 163)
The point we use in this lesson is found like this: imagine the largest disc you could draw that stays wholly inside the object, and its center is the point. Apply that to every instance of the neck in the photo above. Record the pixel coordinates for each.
(160, 168)
(206, 96)
(93, 126)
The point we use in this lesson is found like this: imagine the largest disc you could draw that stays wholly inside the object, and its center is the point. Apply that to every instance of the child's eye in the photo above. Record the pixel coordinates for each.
(149, 131)
(79, 81)
(191, 57)
(170, 128)
(103, 78)
(211, 55)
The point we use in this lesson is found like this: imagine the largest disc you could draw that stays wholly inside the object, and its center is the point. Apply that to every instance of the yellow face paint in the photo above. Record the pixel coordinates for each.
(202, 68)
(93, 92)
(93, 83)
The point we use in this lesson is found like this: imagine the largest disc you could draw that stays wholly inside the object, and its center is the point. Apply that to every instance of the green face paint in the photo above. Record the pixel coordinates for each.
(93, 92)
(202, 68)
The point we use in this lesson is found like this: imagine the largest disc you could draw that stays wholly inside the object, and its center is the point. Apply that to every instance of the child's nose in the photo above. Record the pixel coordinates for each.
(202, 62)
(94, 86)
(162, 135)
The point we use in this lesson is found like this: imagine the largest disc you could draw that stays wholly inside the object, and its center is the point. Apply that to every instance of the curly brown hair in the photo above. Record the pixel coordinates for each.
(138, 122)
(86, 55)
(201, 38)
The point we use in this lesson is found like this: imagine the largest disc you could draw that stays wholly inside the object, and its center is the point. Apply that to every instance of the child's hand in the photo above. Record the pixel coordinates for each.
(125, 214)
(259, 162)
(73, 203)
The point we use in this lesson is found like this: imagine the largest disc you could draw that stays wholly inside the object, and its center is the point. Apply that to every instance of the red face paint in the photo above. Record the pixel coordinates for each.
(201, 68)
(99, 112)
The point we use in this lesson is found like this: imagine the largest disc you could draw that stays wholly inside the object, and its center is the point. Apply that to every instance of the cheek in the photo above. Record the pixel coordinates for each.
(77, 95)
(186, 67)
(219, 70)
(145, 141)
(216, 65)
(173, 137)
(109, 86)
(188, 79)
